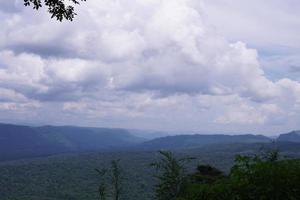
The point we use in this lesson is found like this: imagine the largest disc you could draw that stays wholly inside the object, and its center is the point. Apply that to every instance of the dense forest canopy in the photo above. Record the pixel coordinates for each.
(73, 177)
(257, 177)
(251, 178)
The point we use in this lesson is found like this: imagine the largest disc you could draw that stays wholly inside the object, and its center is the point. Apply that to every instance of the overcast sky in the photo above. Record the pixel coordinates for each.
(184, 65)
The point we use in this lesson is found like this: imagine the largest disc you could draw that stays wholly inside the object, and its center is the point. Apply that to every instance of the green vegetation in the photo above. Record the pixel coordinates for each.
(116, 177)
(72, 177)
(251, 178)
(116, 181)
(102, 189)
(171, 175)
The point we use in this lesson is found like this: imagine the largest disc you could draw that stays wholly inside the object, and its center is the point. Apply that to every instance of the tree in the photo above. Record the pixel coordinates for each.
(57, 8)
(171, 176)
(113, 189)
(264, 177)
(116, 177)
(207, 174)
(102, 189)
(207, 183)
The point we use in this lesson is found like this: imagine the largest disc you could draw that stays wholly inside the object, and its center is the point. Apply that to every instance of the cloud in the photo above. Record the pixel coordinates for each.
(278, 66)
(271, 23)
(169, 50)
(49, 79)
(246, 114)
(9, 6)
(140, 62)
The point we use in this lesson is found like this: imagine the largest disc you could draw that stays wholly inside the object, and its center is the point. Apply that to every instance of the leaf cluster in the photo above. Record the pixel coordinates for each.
(57, 8)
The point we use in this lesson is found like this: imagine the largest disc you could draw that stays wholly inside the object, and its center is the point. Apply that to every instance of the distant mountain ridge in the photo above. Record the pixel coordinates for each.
(193, 141)
(293, 136)
(17, 141)
(24, 141)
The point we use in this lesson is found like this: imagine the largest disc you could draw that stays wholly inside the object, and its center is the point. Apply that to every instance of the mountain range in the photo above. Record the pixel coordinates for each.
(24, 141)
(17, 142)
(293, 136)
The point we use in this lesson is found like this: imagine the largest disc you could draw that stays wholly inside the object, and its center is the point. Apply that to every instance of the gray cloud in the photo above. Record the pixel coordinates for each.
(11, 6)
(148, 64)
(268, 23)
(295, 68)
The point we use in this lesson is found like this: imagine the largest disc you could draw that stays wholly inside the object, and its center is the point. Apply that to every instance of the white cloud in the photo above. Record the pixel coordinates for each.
(249, 115)
(154, 63)
(269, 23)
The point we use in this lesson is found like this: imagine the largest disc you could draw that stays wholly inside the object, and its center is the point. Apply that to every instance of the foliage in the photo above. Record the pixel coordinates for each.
(72, 176)
(206, 174)
(257, 178)
(251, 178)
(116, 180)
(116, 177)
(57, 8)
(171, 176)
(102, 189)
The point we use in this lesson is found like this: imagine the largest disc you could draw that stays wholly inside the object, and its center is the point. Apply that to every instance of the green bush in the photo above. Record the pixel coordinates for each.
(251, 178)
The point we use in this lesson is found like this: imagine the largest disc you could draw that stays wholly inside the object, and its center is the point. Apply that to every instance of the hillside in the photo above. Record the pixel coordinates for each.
(17, 142)
(194, 141)
(293, 136)
(23, 141)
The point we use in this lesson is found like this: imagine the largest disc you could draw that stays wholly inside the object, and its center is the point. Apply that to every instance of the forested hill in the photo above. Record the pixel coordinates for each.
(72, 177)
(17, 142)
(24, 141)
(293, 136)
(192, 141)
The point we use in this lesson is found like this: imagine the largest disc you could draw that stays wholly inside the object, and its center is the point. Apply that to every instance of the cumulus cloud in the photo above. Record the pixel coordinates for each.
(126, 61)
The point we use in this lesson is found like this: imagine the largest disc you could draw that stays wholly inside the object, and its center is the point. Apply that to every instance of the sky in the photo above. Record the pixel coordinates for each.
(212, 66)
